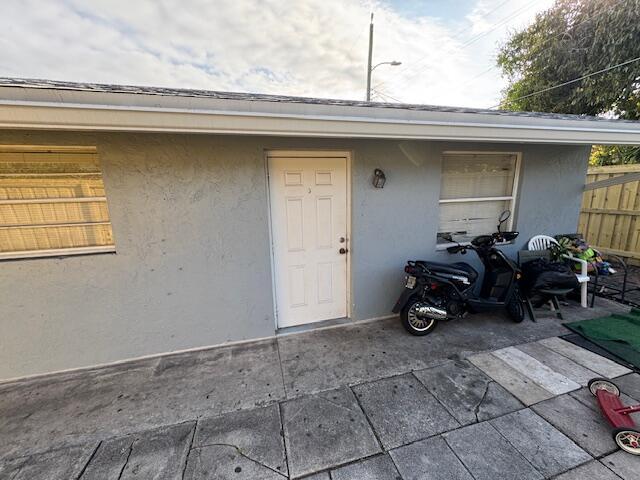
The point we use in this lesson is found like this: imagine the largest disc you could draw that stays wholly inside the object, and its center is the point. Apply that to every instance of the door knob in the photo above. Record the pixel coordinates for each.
(343, 251)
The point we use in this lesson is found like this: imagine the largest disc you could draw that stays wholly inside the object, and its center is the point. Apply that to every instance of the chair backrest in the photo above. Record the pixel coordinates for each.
(541, 242)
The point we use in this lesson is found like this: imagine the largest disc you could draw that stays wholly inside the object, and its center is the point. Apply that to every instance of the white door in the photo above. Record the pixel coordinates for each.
(308, 197)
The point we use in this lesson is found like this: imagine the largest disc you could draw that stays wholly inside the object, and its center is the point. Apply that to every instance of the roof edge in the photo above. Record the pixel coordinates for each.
(16, 114)
(118, 89)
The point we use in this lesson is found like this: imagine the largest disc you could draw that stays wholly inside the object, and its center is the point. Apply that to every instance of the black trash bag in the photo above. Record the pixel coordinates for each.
(541, 274)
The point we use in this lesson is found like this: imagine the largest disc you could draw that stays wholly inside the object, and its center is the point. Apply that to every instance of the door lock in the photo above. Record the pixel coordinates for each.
(343, 251)
(342, 240)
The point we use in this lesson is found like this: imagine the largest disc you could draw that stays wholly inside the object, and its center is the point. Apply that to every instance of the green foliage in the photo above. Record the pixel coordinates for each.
(559, 249)
(602, 155)
(571, 39)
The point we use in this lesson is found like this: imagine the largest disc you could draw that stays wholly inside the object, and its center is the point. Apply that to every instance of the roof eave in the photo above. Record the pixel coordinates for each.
(88, 111)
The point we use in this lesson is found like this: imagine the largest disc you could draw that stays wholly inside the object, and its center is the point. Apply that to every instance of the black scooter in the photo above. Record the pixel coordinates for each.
(441, 291)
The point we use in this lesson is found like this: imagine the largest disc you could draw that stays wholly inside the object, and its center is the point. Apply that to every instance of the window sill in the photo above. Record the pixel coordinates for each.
(61, 252)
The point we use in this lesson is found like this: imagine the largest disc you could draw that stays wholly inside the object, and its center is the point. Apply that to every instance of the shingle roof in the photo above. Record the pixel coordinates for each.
(180, 92)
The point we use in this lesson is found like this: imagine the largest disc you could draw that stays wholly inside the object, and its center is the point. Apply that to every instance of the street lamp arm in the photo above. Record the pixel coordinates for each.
(393, 63)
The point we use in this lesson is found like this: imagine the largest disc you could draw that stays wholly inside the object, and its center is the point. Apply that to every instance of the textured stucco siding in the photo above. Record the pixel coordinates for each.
(400, 221)
(190, 220)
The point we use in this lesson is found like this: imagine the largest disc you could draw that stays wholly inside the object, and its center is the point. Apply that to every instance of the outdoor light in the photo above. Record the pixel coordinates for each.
(379, 178)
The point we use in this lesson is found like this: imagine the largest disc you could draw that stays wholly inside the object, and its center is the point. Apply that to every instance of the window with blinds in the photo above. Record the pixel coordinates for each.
(475, 188)
(52, 202)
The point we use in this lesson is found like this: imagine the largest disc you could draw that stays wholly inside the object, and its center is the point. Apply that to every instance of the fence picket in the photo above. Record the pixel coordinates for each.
(604, 221)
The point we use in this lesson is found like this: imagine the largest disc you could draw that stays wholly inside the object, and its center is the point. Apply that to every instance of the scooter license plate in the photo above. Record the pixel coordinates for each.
(411, 282)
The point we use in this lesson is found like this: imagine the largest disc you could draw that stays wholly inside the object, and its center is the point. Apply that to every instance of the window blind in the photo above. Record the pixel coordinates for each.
(475, 188)
(52, 202)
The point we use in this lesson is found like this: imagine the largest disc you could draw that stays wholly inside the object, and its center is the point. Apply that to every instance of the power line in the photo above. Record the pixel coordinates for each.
(516, 13)
(484, 15)
(499, 24)
(588, 19)
(505, 20)
(479, 75)
(573, 81)
(385, 96)
(456, 35)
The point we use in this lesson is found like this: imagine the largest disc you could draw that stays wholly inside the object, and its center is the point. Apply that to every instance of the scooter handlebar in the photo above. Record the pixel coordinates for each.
(459, 249)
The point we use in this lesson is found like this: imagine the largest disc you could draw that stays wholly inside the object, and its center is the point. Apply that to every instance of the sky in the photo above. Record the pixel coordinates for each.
(314, 48)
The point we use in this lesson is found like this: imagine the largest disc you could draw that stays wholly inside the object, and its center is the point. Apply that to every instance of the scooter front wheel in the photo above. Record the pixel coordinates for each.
(413, 322)
(515, 307)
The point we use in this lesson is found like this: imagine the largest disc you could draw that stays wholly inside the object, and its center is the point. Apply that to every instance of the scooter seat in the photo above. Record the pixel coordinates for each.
(458, 268)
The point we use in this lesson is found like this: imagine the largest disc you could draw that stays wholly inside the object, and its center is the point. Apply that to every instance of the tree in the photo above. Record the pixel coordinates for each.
(613, 155)
(572, 39)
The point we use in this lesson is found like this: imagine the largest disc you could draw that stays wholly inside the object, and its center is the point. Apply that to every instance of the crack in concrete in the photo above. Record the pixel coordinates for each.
(476, 409)
(22, 461)
(186, 460)
(242, 454)
(284, 439)
(319, 397)
(291, 417)
(284, 386)
(126, 461)
(19, 469)
(340, 406)
(91, 457)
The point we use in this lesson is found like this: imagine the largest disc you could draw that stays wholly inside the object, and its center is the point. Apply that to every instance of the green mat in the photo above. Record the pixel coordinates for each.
(618, 334)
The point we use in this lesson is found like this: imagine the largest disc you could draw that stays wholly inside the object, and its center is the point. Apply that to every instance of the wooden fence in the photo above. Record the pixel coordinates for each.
(610, 216)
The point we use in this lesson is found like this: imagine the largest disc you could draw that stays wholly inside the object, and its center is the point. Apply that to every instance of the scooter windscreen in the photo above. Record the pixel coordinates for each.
(509, 236)
(483, 241)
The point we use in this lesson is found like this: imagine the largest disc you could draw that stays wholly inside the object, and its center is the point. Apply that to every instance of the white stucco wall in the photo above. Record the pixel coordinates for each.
(192, 268)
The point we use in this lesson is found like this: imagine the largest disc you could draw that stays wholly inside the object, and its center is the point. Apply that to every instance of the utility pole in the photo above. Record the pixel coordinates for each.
(370, 68)
(370, 58)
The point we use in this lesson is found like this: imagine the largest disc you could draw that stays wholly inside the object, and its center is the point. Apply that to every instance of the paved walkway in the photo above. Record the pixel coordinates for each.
(478, 399)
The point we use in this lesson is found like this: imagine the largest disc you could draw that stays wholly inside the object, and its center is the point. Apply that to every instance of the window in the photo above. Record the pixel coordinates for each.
(52, 202)
(475, 188)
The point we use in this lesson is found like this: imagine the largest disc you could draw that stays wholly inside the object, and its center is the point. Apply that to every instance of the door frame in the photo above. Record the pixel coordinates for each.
(310, 153)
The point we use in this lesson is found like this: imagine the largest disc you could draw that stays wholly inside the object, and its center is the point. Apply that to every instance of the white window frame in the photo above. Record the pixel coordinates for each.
(56, 252)
(512, 199)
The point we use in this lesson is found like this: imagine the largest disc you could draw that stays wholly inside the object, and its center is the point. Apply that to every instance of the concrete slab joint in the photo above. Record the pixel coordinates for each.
(388, 406)
(325, 430)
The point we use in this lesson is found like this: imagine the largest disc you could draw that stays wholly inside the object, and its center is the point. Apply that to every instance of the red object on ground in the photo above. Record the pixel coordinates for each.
(615, 411)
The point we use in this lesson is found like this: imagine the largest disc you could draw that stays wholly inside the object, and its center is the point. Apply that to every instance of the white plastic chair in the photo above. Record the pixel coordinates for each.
(543, 242)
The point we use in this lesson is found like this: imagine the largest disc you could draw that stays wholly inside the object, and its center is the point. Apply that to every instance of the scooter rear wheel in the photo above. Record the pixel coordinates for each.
(414, 324)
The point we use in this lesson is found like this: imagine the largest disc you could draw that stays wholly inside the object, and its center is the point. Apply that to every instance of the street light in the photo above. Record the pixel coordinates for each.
(370, 69)
(393, 63)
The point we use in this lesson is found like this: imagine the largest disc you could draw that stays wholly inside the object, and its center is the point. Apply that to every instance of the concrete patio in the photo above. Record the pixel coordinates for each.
(360, 401)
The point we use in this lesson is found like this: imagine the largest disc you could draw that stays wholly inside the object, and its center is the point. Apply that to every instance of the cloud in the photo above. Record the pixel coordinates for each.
(307, 47)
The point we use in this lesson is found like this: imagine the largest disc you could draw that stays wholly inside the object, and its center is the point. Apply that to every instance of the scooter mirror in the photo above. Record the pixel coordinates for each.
(504, 216)
(447, 236)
